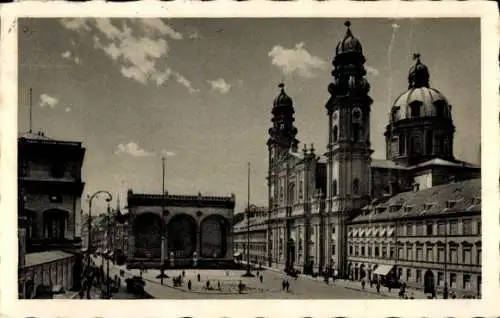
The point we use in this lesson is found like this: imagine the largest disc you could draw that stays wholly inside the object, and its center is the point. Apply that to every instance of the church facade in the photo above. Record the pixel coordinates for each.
(313, 200)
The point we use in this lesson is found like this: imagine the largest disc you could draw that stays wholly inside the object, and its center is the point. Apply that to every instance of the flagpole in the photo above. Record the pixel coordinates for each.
(162, 219)
(248, 273)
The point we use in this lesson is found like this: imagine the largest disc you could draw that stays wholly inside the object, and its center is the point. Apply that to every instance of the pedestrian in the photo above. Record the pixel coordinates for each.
(378, 287)
(261, 278)
(189, 284)
(258, 274)
(363, 283)
(208, 284)
(218, 284)
(371, 283)
(199, 277)
(183, 273)
(283, 284)
(287, 286)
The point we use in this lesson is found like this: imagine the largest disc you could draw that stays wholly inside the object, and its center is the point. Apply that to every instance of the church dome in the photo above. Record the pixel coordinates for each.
(282, 99)
(420, 100)
(349, 44)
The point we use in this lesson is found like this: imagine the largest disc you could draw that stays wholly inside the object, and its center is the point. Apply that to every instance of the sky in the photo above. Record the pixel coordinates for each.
(200, 91)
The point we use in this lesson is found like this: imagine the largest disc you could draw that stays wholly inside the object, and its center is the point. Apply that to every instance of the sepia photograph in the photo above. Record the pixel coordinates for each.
(196, 158)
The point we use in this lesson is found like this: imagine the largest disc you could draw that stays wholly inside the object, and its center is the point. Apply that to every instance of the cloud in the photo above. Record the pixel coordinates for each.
(220, 85)
(132, 149)
(67, 109)
(195, 35)
(67, 55)
(48, 101)
(296, 60)
(138, 46)
(168, 153)
(371, 71)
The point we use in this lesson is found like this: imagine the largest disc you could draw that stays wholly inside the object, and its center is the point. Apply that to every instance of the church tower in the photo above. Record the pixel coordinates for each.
(281, 141)
(348, 150)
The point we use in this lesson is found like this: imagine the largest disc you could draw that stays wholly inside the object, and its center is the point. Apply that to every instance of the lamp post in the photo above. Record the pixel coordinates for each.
(248, 273)
(92, 197)
(108, 248)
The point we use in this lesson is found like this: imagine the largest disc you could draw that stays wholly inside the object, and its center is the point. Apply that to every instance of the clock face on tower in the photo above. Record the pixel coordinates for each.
(356, 115)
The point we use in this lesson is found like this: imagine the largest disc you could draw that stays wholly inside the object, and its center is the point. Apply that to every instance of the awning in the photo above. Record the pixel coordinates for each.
(383, 270)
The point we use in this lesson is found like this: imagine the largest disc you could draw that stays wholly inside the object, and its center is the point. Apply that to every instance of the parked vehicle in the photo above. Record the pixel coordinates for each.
(135, 285)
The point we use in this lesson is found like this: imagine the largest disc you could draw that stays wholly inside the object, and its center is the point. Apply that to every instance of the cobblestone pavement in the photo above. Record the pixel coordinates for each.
(271, 287)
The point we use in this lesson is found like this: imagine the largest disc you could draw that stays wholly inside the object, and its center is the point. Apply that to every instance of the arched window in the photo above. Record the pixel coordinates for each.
(291, 194)
(440, 109)
(356, 131)
(429, 137)
(402, 145)
(395, 114)
(334, 187)
(355, 186)
(415, 109)
(335, 134)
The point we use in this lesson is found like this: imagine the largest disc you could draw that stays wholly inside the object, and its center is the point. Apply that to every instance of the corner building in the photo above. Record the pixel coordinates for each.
(315, 200)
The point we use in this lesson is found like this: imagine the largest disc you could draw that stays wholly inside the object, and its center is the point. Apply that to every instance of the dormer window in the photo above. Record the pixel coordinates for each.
(415, 109)
(394, 208)
(450, 204)
(408, 209)
(380, 209)
(428, 206)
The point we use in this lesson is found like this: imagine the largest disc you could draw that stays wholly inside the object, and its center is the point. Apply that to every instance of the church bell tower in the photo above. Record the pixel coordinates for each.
(349, 149)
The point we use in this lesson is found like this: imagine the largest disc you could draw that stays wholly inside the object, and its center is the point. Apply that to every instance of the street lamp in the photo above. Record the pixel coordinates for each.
(248, 273)
(92, 197)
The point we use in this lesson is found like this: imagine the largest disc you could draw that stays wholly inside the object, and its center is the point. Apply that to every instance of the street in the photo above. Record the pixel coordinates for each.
(271, 286)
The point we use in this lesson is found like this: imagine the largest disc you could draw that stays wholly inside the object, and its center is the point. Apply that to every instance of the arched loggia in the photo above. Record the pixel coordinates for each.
(213, 236)
(181, 236)
(147, 229)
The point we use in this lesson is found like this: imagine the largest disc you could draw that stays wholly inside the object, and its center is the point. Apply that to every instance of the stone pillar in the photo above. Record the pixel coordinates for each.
(229, 240)
(198, 239)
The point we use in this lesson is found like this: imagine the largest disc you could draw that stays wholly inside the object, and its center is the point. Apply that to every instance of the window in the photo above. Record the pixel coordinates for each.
(440, 279)
(418, 275)
(409, 229)
(350, 249)
(333, 229)
(441, 228)
(415, 110)
(362, 250)
(402, 145)
(392, 251)
(478, 227)
(377, 254)
(454, 255)
(453, 227)
(400, 272)
(395, 114)
(401, 230)
(419, 229)
(408, 274)
(428, 229)
(439, 108)
(301, 187)
(334, 187)
(428, 142)
(419, 253)
(384, 251)
(355, 186)
(400, 253)
(467, 255)
(369, 250)
(467, 227)
(333, 249)
(466, 281)
(453, 280)
(58, 170)
(335, 134)
(441, 254)
(478, 256)
(356, 131)
(429, 254)
(409, 253)
(356, 250)
(416, 145)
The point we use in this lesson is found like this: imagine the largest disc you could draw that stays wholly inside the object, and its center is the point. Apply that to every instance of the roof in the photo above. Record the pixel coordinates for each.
(34, 259)
(442, 162)
(141, 199)
(386, 164)
(35, 136)
(456, 197)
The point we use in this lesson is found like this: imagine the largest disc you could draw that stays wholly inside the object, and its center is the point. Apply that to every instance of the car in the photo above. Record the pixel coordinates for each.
(135, 285)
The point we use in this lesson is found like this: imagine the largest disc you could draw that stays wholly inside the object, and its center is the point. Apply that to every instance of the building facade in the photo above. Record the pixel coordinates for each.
(313, 200)
(50, 188)
(253, 229)
(427, 238)
(196, 230)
